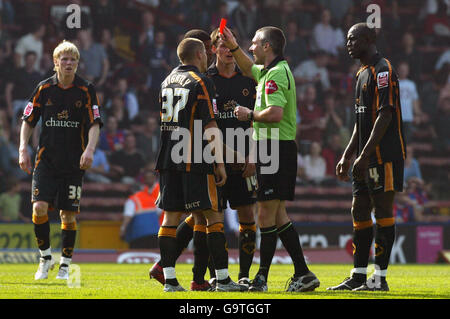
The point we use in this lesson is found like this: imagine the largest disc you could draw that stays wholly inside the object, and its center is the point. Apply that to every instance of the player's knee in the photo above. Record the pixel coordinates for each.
(40, 208)
(67, 217)
(246, 214)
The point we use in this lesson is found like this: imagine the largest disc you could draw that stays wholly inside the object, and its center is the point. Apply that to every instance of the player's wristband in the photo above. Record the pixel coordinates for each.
(235, 49)
(250, 116)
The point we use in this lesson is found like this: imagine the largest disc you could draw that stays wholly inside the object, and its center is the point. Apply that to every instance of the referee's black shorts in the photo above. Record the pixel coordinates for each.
(187, 192)
(280, 184)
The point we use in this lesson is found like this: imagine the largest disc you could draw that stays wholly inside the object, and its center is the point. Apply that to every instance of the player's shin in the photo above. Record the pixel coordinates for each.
(68, 237)
(42, 233)
(201, 254)
(217, 246)
(267, 249)
(384, 240)
(362, 241)
(247, 238)
(168, 247)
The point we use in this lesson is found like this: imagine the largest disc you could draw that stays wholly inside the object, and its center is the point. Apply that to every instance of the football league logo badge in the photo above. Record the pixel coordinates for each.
(271, 87)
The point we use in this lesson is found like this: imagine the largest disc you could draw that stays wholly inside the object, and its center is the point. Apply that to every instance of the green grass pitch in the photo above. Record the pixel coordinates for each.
(125, 281)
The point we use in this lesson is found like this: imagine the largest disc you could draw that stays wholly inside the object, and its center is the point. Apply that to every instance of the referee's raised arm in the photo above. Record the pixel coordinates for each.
(243, 60)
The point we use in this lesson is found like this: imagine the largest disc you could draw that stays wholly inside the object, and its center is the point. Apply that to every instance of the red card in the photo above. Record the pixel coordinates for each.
(223, 23)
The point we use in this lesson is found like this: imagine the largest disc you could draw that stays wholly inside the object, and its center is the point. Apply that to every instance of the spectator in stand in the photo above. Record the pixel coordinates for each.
(412, 166)
(118, 110)
(443, 59)
(347, 81)
(312, 118)
(409, 53)
(140, 223)
(441, 127)
(315, 165)
(108, 44)
(126, 164)
(128, 96)
(331, 154)
(313, 71)
(300, 179)
(146, 37)
(30, 42)
(325, 37)
(9, 153)
(148, 140)
(157, 59)
(99, 170)
(94, 63)
(10, 202)
(22, 82)
(430, 91)
(103, 15)
(334, 118)
(221, 12)
(338, 9)
(437, 24)
(406, 209)
(246, 18)
(296, 47)
(409, 99)
(112, 138)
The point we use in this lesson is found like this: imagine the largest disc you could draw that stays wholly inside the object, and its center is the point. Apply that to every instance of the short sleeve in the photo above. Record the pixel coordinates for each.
(92, 107)
(256, 71)
(384, 83)
(275, 86)
(207, 107)
(32, 111)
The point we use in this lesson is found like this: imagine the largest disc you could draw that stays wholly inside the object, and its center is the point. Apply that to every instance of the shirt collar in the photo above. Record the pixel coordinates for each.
(274, 62)
(187, 68)
(76, 80)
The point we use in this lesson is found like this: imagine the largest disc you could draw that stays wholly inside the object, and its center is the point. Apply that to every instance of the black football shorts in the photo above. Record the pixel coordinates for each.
(239, 191)
(61, 192)
(381, 178)
(187, 192)
(280, 184)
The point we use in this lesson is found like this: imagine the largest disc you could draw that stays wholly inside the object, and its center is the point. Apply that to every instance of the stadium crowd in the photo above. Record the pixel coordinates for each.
(128, 47)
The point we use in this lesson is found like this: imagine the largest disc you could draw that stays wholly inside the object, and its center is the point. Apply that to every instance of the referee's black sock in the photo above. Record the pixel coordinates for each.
(267, 249)
(42, 233)
(201, 254)
(291, 242)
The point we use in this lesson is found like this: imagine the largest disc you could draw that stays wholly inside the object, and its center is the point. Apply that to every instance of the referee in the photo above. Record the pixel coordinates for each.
(274, 118)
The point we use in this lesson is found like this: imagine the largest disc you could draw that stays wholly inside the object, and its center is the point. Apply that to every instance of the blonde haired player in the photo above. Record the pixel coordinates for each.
(69, 110)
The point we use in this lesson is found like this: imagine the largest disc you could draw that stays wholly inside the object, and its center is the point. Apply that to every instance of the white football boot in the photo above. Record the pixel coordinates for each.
(45, 265)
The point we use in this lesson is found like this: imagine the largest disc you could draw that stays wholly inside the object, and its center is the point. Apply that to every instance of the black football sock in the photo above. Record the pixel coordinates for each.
(68, 236)
(384, 240)
(291, 242)
(201, 254)
(185, 233)
(217, 246)
(362, 241)
(167, 242)
(267, 249)
(247, 242)
(42, 233)
(211, 268)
